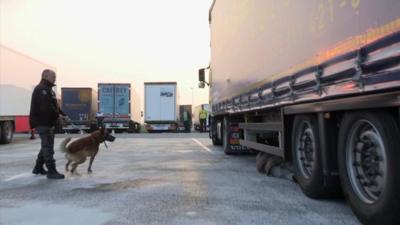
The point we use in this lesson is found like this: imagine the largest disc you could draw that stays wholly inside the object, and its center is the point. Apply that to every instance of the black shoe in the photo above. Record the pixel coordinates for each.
(53, 174)
(39, 170)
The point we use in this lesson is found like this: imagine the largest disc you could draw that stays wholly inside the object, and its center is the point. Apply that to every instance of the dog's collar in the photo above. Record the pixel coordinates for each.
(94, 140)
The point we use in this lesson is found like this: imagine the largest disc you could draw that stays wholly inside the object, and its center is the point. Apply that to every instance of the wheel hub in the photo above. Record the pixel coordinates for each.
(367, 154)
(306, 150)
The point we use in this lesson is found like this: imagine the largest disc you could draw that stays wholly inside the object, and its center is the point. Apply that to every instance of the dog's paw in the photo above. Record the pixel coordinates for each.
(89, 171)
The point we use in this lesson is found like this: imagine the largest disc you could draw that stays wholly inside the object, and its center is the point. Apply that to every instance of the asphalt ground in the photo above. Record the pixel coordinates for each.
(155, 179)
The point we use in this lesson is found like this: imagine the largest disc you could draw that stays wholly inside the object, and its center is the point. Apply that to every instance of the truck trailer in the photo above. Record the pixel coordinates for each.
(80, 104)
(119, 107)
(161, 106)
(315, 85)
(19, 74)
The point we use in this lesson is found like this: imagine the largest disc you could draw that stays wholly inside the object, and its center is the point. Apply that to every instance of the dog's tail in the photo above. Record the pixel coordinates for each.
(63, 145)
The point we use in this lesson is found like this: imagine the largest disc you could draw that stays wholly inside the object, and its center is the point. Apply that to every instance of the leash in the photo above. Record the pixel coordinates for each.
(105, 144)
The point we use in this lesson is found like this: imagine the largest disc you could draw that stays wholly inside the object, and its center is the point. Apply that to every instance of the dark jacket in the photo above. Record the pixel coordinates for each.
(44, 108)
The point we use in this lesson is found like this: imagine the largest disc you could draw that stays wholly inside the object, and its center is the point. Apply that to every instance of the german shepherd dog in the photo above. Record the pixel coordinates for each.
(77, 151)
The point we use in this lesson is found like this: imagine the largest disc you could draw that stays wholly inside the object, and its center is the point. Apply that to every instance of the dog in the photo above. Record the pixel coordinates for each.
(77, 151)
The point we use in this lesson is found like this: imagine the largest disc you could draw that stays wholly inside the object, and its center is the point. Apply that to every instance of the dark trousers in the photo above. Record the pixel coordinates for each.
(100, 122)
(203, 125)
(46, 154)
(187, 126)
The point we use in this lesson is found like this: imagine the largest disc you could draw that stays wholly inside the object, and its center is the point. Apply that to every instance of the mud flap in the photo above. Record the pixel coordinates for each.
(232, 136)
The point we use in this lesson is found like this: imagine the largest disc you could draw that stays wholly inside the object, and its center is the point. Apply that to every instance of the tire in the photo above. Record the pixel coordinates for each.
(74, 131)
(261, 161)
(272, 162)
(225, 137)
(137, 129)
(369, 166)
(215, 141)
(118, 131)
(307, 156)
(7, 132)
(132, 127)
(214, 137)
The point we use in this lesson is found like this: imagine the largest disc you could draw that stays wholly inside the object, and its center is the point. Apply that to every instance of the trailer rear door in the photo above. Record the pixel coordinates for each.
(168, 105)
(106, 99)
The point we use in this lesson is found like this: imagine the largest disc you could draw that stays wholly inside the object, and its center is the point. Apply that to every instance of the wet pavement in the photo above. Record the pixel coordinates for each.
(155, 179)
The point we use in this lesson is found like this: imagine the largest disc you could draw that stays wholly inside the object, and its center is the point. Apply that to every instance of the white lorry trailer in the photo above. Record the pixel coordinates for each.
(161, 106)
(19, 74)
(314, 84)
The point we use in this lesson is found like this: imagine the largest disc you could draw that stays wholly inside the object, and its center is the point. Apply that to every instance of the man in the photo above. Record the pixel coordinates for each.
(99, 118)
(186, 121)
(43, 117)
(203, 119)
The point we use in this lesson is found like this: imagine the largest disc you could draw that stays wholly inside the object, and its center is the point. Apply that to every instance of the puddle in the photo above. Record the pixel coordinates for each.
(52, 214)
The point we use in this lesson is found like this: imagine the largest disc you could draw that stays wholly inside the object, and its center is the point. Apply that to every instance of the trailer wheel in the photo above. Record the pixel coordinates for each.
(306, 156)
(261, 161)
(369, 166)
(137, 127)
(132, 127)
(215, 141)
(7, 132)
(215, 130)
(225, 137)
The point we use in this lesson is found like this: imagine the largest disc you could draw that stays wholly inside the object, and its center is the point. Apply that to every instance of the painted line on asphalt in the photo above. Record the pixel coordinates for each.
(22, 175)
(201, 145)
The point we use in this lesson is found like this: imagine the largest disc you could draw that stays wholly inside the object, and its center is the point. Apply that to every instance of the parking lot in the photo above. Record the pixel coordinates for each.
(155, 179)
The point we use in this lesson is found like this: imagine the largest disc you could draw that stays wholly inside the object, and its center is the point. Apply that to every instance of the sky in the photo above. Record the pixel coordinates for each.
(129, 41)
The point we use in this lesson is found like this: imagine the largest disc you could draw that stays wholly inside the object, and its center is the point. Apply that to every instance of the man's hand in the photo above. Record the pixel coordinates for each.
(66, 119)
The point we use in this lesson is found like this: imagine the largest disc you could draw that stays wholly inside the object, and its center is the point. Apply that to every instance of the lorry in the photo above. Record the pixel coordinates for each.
(19, 74)
(119, 107)
(316, 86)
(161, 106)
(182, 110)
(80, 104)
(196, 119)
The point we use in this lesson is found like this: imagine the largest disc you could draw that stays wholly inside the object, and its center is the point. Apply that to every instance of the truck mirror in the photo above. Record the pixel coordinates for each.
(201, 75)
